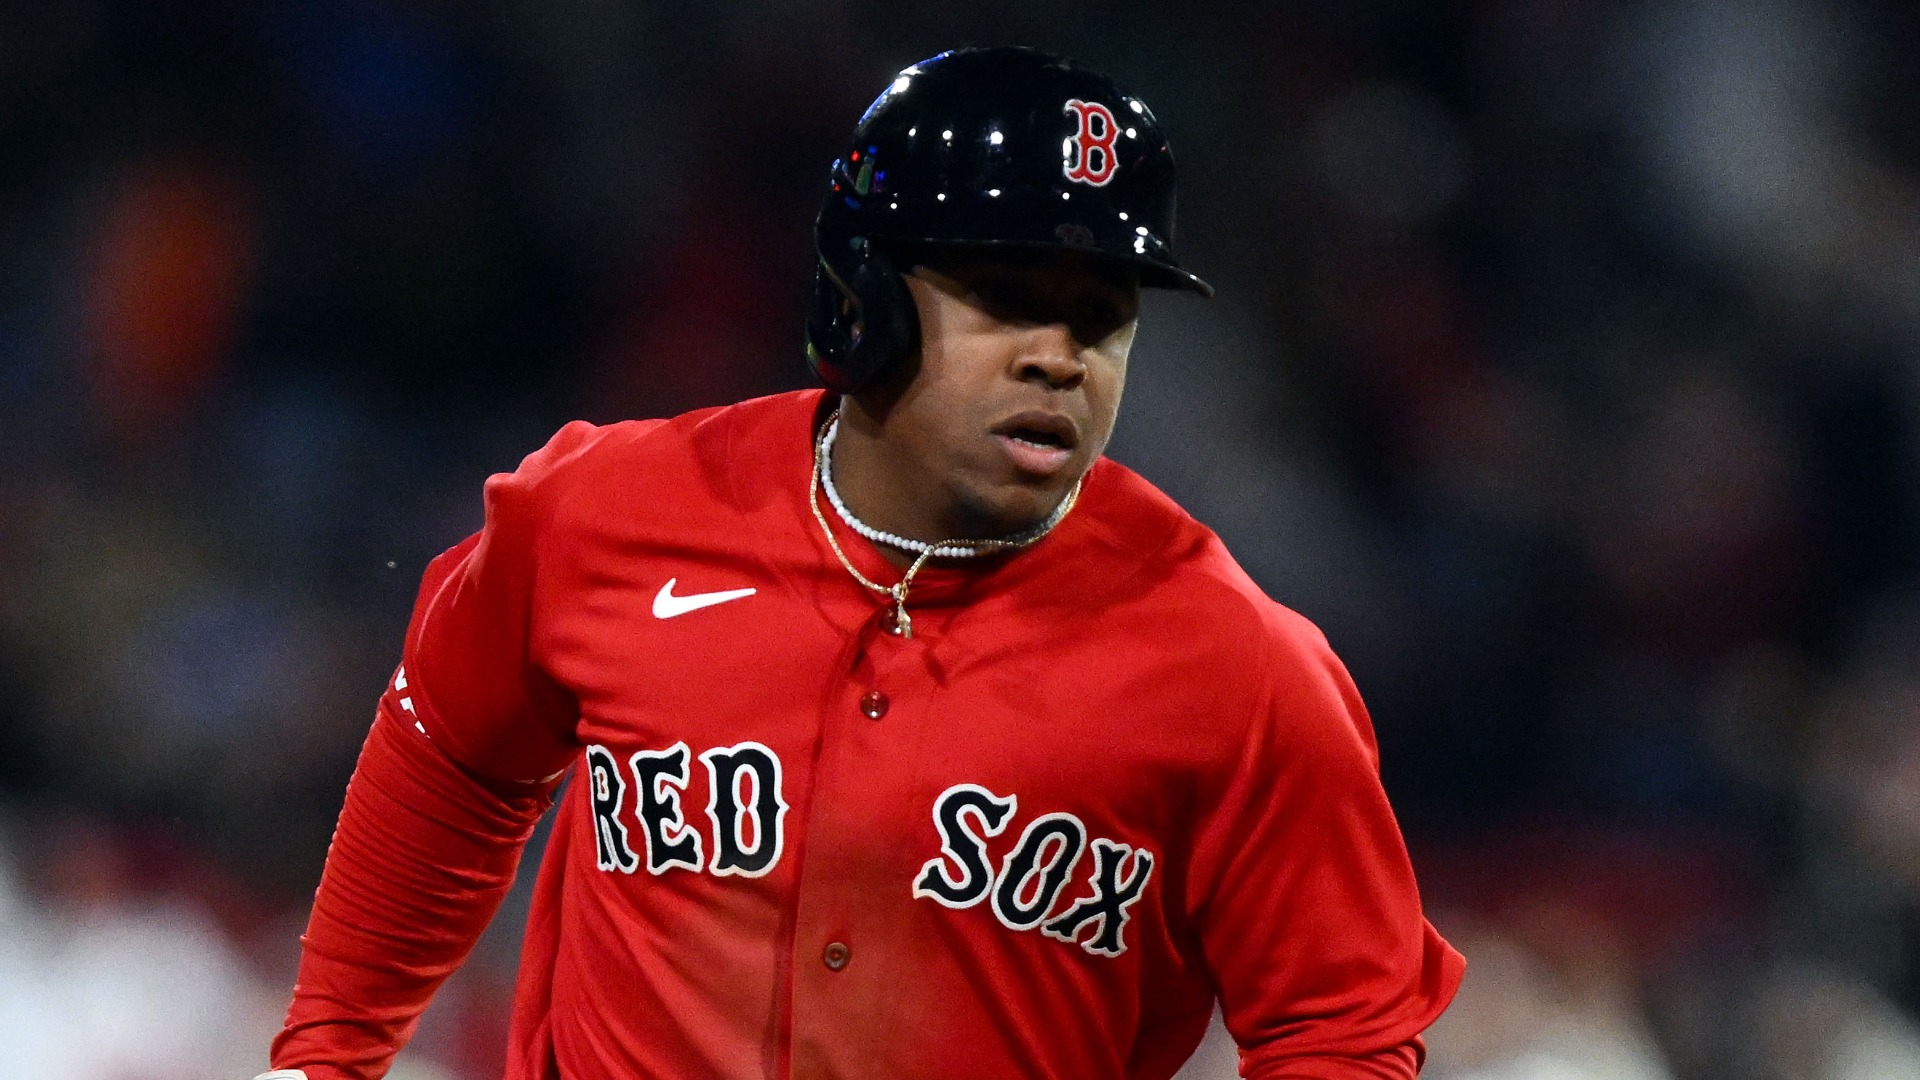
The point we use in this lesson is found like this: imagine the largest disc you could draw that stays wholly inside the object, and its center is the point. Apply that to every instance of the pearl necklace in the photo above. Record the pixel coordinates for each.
(902, 623)
(943, 550)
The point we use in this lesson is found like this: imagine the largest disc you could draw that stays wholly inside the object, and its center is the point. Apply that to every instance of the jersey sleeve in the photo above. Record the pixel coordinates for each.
(459, 765)
(421, 858)
(468, 678)
(1308, 911)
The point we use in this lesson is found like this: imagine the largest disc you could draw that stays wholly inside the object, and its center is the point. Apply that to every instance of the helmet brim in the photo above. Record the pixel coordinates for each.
(1155, 273)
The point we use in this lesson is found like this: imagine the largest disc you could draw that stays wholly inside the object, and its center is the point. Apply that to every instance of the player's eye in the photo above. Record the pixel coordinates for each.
(1003, 295)
(1098, 314)
(1095, 319)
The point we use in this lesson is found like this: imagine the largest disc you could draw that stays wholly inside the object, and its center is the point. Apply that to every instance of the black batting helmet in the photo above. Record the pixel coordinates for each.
(1005, 147)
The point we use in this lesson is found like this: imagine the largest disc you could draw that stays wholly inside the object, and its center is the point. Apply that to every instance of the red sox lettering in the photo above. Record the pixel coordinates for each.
(1033, 874)
(748, 839)
(748, 830)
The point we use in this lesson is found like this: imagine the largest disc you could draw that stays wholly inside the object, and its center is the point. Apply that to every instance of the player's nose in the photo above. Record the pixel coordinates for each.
(1050, 354)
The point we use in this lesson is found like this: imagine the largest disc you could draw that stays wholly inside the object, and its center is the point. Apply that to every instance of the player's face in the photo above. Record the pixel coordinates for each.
(1014, 393)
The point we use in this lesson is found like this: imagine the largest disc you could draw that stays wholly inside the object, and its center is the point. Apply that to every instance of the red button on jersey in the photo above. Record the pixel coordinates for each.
(836, 956)
(874, 704)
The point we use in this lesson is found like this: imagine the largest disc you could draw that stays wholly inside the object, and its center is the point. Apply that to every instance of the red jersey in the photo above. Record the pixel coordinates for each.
(1104, 782)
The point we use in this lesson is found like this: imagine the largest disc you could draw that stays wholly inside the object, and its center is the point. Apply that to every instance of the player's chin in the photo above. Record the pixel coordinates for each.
(1014, 503)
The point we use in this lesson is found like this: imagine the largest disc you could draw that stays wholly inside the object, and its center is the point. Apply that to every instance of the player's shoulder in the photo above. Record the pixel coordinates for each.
(589, 461)
(1192, 583)
(1270, 670)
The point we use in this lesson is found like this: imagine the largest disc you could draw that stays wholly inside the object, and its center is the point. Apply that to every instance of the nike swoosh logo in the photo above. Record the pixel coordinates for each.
(666, 605)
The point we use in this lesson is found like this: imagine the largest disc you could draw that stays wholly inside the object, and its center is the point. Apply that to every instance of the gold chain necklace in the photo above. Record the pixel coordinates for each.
(902, 622)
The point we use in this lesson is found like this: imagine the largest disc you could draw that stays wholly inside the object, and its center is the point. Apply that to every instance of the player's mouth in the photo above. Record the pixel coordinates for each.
(1038, 443)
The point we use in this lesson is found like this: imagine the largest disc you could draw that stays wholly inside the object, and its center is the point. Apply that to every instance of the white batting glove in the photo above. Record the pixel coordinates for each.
(283, 1074)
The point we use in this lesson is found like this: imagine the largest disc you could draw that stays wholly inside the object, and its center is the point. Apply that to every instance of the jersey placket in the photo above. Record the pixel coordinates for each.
(848, 891)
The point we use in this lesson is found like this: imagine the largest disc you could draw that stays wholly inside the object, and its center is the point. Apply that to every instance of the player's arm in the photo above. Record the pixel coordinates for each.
(422, 857)
(1306, 902)
(468, 742)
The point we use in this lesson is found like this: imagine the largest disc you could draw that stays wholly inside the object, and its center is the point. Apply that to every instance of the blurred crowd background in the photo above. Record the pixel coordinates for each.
(1566, 370)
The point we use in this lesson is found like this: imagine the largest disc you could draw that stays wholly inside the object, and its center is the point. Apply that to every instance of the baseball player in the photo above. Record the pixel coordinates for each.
(909, 736)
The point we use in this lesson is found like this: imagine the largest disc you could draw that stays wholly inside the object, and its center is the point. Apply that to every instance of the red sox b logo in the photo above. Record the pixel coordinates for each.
(1089, 151)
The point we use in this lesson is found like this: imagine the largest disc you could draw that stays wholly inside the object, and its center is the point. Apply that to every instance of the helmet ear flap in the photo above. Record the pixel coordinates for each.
(861, 317)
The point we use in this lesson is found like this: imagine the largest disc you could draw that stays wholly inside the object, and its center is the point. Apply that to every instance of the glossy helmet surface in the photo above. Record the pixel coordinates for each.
(1000, 147)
